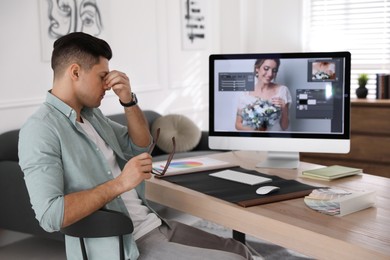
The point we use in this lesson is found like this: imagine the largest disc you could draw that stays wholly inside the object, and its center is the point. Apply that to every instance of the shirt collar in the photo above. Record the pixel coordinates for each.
(65, 109)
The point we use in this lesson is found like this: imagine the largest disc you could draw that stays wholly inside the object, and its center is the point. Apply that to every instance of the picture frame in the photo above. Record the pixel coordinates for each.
(60, 18)
(194, 24)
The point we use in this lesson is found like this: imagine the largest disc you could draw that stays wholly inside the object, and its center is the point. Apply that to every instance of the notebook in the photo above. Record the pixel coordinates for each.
(331, 172)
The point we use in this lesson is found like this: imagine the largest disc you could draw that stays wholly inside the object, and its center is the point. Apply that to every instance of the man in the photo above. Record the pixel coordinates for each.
(76, 161)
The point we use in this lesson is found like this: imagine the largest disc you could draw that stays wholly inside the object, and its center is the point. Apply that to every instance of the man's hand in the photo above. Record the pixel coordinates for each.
(135, 171)
(82, 203)
(120, 84)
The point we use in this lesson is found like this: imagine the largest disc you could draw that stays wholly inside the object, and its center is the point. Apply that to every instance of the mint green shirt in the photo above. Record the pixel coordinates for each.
(58, 158)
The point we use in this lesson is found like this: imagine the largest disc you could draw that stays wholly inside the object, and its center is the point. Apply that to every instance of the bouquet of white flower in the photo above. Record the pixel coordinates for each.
(321, 75)
(260, 115)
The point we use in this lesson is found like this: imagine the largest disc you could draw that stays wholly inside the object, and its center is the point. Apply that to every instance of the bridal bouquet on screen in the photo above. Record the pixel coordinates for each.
(260, 114)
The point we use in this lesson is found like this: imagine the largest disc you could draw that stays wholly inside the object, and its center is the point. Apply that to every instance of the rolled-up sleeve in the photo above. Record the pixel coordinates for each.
(40, 161)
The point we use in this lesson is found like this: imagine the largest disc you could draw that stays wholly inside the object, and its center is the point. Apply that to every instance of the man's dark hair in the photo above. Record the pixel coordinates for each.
(80, 48)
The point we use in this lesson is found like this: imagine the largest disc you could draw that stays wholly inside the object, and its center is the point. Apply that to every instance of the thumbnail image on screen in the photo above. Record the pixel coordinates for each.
(323, 70)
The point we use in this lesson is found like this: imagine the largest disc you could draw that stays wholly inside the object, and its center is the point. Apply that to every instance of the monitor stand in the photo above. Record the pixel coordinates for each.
(285, 160)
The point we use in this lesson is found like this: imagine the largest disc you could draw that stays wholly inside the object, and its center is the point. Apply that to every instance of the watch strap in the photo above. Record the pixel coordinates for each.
(133, 102)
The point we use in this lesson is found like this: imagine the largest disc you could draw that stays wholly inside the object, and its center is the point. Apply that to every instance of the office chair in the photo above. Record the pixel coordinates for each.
(101, 223)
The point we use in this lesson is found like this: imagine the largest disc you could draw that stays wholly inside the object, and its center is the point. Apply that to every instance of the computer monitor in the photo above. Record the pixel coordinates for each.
(281, 103)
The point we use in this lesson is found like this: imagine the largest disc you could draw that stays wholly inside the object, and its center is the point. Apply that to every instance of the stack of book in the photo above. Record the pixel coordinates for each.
(382, 86)
(331, 172)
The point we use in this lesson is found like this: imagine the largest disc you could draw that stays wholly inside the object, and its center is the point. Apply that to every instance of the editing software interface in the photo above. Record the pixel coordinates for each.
(314, 89)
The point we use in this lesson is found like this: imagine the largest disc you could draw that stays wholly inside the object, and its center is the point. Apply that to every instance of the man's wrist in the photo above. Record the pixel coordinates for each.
(133, 101)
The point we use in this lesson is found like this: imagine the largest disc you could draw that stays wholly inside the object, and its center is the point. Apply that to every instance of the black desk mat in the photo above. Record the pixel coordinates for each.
(239, 193)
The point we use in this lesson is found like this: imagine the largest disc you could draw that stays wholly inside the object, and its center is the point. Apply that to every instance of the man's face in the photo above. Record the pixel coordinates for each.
(92, 87)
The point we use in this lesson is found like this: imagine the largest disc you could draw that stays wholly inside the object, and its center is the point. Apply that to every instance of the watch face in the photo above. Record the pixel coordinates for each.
(135, 100)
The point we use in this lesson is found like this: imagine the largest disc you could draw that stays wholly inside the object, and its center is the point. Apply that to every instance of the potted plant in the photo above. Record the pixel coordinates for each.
(362, 91)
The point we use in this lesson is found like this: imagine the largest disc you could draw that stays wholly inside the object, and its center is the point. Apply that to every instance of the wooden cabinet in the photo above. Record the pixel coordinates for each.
(370, 139)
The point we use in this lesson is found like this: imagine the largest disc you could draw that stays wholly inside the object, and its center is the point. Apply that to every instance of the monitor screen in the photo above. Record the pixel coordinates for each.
(282, 103)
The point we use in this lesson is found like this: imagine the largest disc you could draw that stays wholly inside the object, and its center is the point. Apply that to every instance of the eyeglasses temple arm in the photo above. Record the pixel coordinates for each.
(170, 156)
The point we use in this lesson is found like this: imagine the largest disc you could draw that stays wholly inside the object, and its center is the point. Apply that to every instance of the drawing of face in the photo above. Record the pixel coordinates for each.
(90, 21)
(68, 16)
(62, 16)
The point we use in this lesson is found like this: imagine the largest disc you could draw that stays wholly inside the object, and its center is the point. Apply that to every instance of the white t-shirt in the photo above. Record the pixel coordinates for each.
(143, 219)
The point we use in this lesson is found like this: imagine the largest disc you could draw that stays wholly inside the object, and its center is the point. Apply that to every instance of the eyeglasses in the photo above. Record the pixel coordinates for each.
(159, 172)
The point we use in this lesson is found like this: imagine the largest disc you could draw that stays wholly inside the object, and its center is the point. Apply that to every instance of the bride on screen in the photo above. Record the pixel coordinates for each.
(266, 108)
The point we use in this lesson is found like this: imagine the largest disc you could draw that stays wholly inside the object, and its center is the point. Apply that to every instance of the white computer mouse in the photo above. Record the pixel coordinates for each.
(266, 189)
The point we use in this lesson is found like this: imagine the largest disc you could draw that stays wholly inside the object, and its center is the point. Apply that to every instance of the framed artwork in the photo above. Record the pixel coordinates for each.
(194, 24)
(59, 18)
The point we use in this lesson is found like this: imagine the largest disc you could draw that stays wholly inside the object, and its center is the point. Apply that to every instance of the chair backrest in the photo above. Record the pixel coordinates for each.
(101, 223)
(9, 146)
(16, 212)
(150, 116)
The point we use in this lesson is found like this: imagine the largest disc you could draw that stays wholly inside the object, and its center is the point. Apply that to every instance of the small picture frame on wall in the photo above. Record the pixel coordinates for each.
(58, 18)
(194, 24)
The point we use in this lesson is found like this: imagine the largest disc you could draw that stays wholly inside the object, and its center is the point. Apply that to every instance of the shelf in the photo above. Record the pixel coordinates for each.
(370, 139)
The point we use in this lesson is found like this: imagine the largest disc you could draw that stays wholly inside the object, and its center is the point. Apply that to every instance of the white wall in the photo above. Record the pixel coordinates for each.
(146, 40)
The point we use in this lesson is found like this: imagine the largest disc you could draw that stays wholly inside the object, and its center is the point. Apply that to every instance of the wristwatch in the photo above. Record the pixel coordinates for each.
(133, 102)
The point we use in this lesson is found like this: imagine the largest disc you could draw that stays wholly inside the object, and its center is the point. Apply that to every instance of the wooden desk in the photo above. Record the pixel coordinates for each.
(291, 224)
